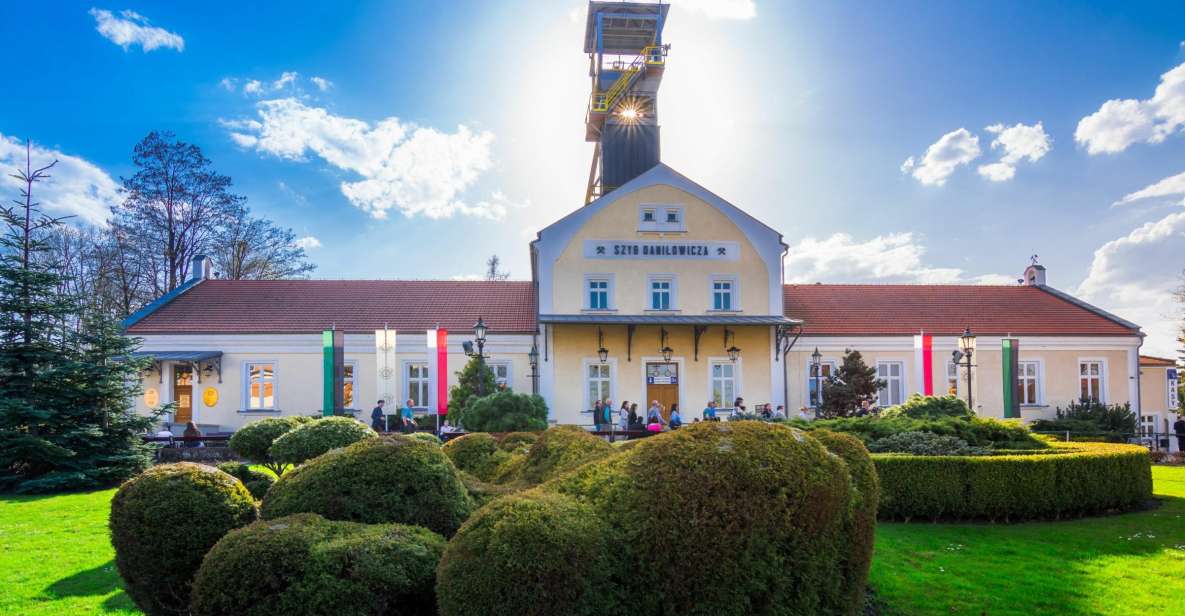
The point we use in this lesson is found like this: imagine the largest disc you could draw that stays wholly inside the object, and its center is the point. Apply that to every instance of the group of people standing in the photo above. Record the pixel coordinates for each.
(405, 422)
(626, 417)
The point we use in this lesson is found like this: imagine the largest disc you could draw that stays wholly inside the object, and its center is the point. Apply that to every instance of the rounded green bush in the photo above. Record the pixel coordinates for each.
(921, 443)
(305, 565)
(559, 450)
(727, 518)
(918, 406)
(163, 522)
(257, 483)
(476, 453)
(254, 440)
(317, 437)
(378, 480)
(516, 441)
(529, 554)
(504, 411)
(1068, 480)
(427, 437)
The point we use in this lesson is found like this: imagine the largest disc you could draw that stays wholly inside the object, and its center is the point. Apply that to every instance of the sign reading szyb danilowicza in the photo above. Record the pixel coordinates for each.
(661, 249)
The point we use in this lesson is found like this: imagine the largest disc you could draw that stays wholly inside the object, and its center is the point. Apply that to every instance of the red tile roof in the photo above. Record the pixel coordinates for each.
(1160, 362)
(297, 306)
(895, 309)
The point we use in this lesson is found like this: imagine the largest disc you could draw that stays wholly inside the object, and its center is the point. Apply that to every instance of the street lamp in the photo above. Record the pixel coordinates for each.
(479, 336)
(666, 350)
(732, 350)
(602, 352)
(533, 359)
(817, 367)
(965, 352)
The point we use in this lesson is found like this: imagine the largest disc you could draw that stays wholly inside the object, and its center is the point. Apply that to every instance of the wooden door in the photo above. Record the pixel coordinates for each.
(183, 394)
(662, 384)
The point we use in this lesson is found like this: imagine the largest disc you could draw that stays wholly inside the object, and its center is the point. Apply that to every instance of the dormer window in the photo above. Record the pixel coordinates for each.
(661, 218)
(648, 215)
(672, 216)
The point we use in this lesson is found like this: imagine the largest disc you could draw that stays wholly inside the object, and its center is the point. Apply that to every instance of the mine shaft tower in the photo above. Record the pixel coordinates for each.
(626, 56)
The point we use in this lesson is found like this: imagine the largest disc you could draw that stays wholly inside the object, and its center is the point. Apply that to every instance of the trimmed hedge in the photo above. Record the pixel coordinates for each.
(1075, 479)
(254, 440)
(557, 451)
(378, 480)
(306, 565)
(476, 453)
(532, 553)
(163, 522)
(515, 441)
(427, 437)
(731, 518)
(504, 411)
(976, 431)
(257, 483)
(317, 437)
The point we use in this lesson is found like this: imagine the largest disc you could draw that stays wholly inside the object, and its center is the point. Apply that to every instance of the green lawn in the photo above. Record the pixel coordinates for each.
(55, 559)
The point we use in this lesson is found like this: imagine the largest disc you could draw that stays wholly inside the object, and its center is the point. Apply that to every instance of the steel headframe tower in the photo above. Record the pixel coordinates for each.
(626, 55)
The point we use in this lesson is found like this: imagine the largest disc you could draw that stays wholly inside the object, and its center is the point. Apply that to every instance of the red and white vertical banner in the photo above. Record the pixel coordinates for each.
(438, 340)
(923, 359)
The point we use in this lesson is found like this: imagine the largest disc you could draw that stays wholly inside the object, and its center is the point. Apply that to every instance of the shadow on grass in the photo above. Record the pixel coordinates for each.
(99, 580)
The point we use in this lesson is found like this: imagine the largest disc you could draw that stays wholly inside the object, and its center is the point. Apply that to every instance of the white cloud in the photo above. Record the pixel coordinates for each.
(289, 81)
(1019, 142)
(286, 78)
(322, 83)
(228, 84)
(954, 149)
(1134, 277)
(408, 168)
(467, 277)
(896, 257)
(131, 28)
(75, 187)
(1172, 186)
(1120, 123)
(308, 242)
(720, 9)
(253, 86)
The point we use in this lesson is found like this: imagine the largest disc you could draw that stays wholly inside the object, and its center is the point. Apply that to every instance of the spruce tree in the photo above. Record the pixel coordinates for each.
(467, 386)
(65, 416)
(853, 383)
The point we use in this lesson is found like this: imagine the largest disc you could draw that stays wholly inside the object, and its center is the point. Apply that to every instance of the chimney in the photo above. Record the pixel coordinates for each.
(1034, 276)
(202, 268)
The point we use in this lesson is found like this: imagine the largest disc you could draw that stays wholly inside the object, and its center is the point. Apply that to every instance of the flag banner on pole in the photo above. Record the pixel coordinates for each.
(339, 371)
(1009, 360)
(327, 372)
(438, 341)
(923, 355)
(384, 346)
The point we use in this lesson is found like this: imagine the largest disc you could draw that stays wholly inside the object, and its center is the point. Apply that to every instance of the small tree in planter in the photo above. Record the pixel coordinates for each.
(852, 384)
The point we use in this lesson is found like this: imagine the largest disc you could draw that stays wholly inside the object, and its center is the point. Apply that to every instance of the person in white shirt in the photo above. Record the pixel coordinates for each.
(164, 431)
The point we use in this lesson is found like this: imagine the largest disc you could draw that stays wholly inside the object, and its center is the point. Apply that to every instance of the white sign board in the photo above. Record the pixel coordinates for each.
(682, 250)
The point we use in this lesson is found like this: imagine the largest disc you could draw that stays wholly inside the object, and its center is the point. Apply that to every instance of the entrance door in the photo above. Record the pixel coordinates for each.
(183, 393)
(662, 384)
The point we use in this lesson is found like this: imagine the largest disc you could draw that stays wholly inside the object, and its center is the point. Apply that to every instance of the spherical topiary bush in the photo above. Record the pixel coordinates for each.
(317, 437)
(559, 450)
(427, 437)
(377, 480)
(163, 522)
(529, 554)
(257, 483)
(476, 453)
(860, 520)
(305, 565)
(725, 518)
(516, 441)
(253, 440)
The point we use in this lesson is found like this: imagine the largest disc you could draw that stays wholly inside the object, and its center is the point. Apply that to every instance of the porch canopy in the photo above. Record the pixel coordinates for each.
(783, 326)
(213, 359)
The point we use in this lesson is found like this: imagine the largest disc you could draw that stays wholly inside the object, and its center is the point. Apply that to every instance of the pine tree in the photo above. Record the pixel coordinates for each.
(65, 417)
(852, 384)
(467, 386)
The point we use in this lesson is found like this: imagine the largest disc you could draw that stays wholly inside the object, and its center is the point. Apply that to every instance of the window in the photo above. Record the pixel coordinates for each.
(648, 215)
(261, 386)
(501, 372)
(724, 383)
(1028, 376)
(952, 378)
(1090, 380)
(1174, 383)
(724, 294)
(598, 293)
(673, 216)
(348, 384)
(599, 384)
(662, 293)
(813, 385)
(660, 218)
(419, 385)
(893, 393)
(1147, 425)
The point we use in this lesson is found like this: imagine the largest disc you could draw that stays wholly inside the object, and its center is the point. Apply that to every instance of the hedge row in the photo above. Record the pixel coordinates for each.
(1080, 479)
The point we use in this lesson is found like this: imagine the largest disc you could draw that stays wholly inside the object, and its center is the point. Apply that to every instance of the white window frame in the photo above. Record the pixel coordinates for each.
(653, 211)
(353, 364)
(584, 378)
(666, 216)
(610, 294)
(508, 365)
(245, 402)
(1039, 378)
(662, 212)
(884, 395)
(734, 292)
(810, 380)
(672, 292)
(405, 372)
(1173, 384)
(1103, 393)
(737, 381)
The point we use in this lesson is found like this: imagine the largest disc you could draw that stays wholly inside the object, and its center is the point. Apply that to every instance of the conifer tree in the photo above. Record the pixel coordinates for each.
(853, 383)
(467, 386)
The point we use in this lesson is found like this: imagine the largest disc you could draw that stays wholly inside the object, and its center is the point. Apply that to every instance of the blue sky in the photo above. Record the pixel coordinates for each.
(440, 133)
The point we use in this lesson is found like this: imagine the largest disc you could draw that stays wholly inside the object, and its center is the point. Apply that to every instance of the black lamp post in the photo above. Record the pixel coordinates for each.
(602, 352)
(817, 366)
(733, 352)
(965, 352)
(533, 358)
(666, 350)
(479, 336)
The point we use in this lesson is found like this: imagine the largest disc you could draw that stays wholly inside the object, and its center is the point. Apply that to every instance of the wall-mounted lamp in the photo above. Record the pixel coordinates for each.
(665, 349)
(730, 345)
(602, 352)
